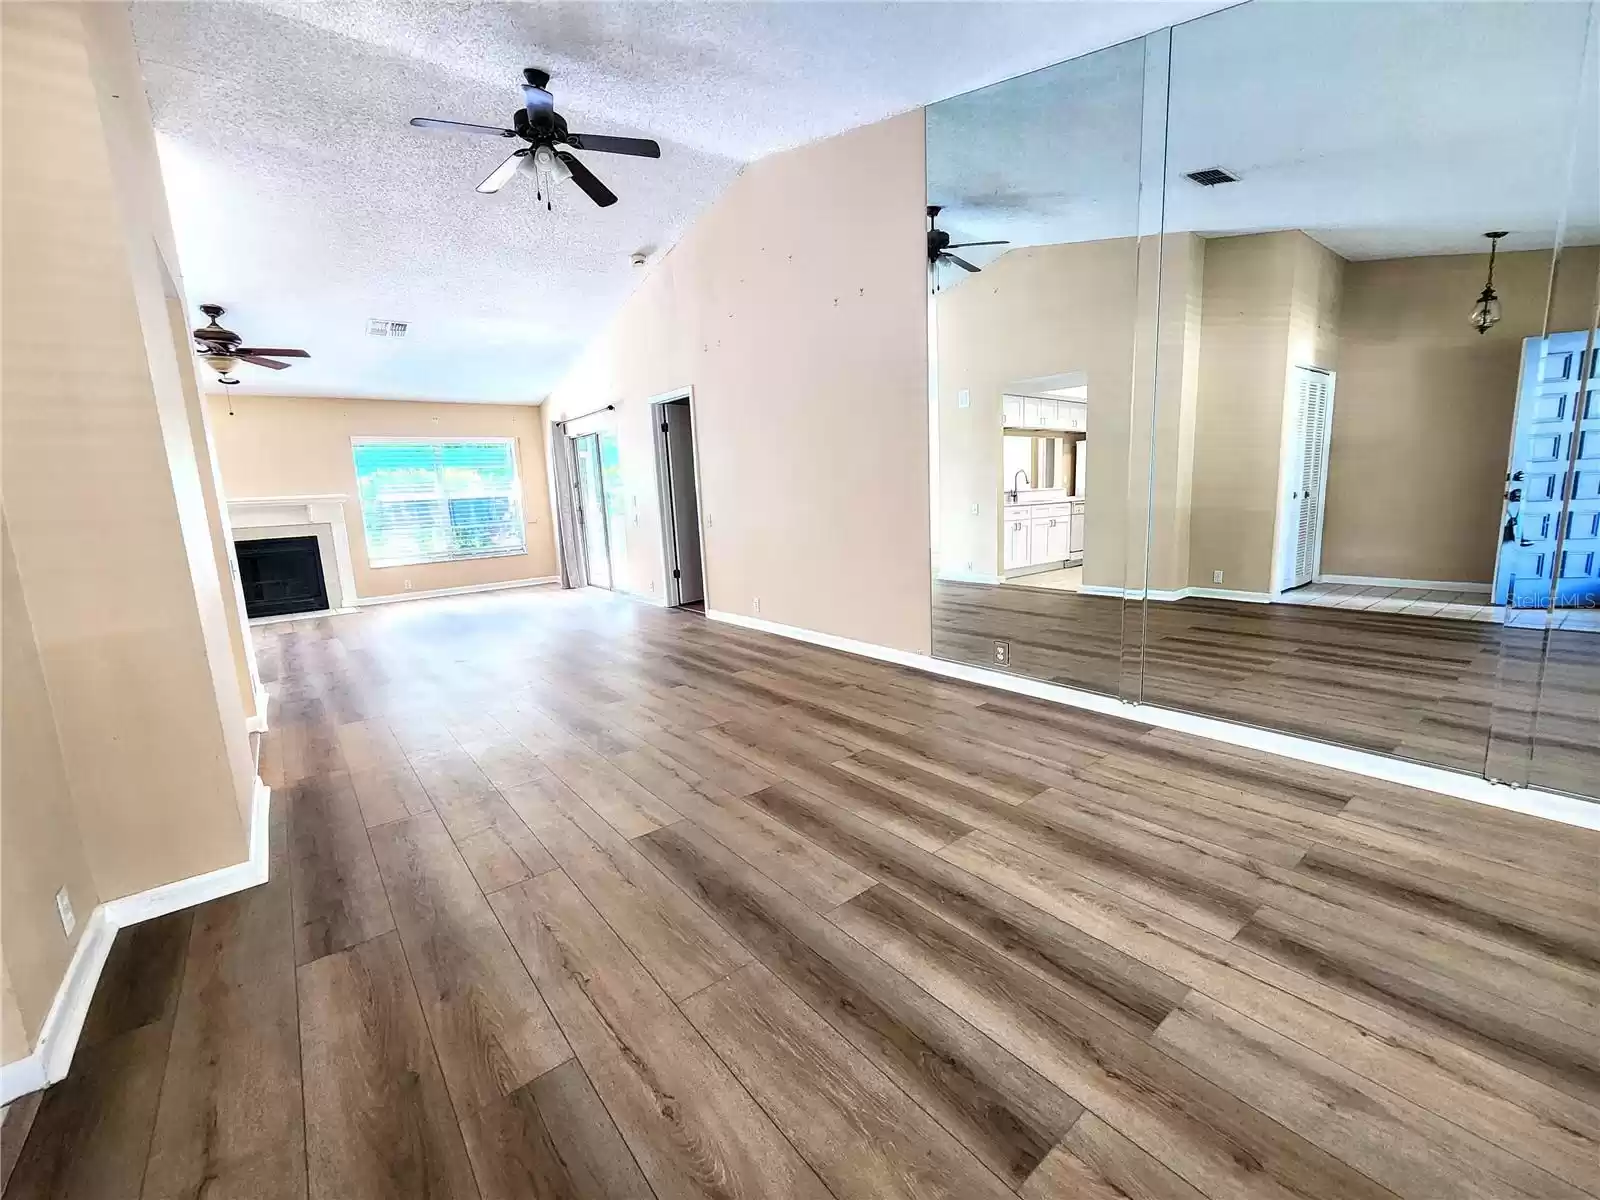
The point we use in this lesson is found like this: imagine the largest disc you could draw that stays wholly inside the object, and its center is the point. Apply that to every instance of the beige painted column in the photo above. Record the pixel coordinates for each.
(102, 480)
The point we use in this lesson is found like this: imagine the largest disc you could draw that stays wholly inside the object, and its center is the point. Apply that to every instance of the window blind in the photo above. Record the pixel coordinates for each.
(434, 501)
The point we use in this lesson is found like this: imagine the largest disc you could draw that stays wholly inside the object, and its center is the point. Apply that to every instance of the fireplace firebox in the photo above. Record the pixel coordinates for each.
(281, 575)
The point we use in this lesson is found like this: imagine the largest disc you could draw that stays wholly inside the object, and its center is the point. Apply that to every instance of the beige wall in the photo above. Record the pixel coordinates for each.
(1423, 408)
(1269, 303)
(103, 497)
(1048, 310)
(41, 848)
(795, 307)
(300, 446)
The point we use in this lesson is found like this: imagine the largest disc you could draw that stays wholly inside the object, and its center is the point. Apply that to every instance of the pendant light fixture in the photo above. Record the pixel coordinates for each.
(1487, 311)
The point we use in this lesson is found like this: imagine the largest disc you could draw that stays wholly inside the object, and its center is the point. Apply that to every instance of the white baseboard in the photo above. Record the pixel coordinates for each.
(58, 1035)
(1183, 593)
(508, 584)
(1532, 801)
(285, 618)
(256, 722)
(1432, 585)
(951, 575)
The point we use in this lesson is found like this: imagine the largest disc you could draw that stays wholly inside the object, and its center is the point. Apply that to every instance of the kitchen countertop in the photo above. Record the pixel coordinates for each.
(1029, 498)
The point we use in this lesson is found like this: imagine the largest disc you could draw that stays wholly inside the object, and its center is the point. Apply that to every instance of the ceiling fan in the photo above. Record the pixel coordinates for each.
(545, 130)
(222, 352)
(940, 245)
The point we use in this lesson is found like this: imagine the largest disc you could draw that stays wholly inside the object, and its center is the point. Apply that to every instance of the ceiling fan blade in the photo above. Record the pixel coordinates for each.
(244, 351)
(463, 126)
(638, 147)
(498, 177)
(541, 105)
(956, 245)
(584, 178)
(262, 362)
(959, 261)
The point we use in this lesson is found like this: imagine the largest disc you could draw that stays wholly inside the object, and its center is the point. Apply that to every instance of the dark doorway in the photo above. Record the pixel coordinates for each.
(281, 575)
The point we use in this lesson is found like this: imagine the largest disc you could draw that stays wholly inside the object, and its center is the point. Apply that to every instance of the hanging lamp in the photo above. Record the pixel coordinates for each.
(1486, 312)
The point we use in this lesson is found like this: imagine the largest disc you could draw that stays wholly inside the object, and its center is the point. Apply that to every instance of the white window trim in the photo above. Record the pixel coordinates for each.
(517, 496)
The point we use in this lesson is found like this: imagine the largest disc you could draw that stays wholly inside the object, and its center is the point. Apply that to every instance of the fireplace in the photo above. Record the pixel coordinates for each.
(281, 575)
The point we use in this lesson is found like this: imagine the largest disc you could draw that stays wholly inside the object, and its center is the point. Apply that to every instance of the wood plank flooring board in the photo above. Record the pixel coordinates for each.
(504, 760)
(864, 1137)
(1095, 1162)
(231, 1124)
(389, 793)
(379, 1123)
(681, 946)
(1094, 971)
(91, 1135)
(694, 1131)
(552, 1139)
(1417, 1061)
(629, 808)
(1482, 962)
(1541, 1045)
(140, 981)
(812, 874)
(772, 750)
(369, 745)
(490, 1027)
(461, 793)
(724, 768)
(16, 1119)
(1487, 913)
(1214, 1141)
(338, 897)
(1412, 1152)
(999, 1108)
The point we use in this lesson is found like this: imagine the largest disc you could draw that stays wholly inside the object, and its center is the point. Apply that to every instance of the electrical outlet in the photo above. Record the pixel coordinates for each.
(64, 911)
(1002, 654)
(755, 604)
(408, 585)
(1216, 577)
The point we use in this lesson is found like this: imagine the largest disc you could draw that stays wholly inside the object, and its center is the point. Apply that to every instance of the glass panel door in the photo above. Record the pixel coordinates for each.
(592, 508)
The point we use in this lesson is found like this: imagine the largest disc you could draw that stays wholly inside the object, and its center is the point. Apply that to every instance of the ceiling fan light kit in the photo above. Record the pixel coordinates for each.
(548, 156)
(940, 245)
(222, 349)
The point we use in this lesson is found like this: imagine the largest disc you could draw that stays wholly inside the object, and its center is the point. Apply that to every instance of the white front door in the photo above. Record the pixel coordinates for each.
(1304, 476)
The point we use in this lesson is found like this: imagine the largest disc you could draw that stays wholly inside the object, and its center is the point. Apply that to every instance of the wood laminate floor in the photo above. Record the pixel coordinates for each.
(1456, 694)
(575, 897)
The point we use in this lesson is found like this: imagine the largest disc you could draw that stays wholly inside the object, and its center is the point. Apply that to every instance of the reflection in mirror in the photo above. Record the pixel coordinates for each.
(1367, 197)
(1034, 187)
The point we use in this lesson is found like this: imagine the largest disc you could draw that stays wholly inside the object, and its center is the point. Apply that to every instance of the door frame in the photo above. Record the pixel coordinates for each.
(670, 593)
(1288, 447)
(582, 514)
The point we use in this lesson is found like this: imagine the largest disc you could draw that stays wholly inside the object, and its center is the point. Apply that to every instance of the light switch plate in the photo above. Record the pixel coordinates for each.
(64, 911)
(963, 399)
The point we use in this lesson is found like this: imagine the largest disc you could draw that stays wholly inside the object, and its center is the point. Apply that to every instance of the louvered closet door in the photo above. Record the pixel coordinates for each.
(1316, 400)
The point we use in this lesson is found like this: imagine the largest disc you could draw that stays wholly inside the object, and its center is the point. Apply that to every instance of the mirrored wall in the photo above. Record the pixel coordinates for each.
(1262, 380)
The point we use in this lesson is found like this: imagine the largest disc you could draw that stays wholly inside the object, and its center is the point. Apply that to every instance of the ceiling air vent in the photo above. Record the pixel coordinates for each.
(1212, 176)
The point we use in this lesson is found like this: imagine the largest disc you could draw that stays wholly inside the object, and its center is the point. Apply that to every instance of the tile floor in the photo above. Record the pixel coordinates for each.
(1429, 602)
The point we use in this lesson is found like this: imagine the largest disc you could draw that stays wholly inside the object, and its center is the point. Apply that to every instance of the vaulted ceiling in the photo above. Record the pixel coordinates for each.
(304, 203)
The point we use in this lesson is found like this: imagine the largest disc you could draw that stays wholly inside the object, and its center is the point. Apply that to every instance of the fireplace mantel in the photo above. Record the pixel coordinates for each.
(323, 515)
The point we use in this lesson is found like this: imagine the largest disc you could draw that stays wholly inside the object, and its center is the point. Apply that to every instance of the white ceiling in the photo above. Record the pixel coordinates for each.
(1382, 129)
(304, 203)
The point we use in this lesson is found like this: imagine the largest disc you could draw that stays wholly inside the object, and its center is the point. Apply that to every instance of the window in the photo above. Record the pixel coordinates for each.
(427, 501)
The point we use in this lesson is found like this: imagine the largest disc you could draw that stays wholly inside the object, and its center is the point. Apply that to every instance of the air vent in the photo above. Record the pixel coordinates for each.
(1212, 176)
(393, 329)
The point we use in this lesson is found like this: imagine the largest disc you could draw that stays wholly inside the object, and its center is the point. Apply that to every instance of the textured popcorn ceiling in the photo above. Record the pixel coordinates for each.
(304, 203)
(1382, 129)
